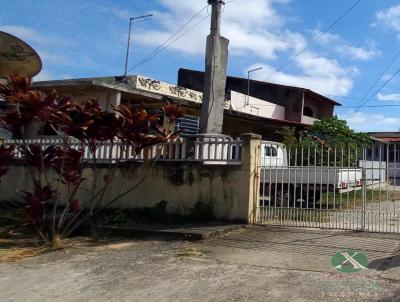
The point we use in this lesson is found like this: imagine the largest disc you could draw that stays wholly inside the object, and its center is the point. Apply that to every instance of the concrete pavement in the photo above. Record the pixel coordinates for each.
(308, 249)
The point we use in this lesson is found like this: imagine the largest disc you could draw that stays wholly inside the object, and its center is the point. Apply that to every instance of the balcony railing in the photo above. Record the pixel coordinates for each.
(204, 150)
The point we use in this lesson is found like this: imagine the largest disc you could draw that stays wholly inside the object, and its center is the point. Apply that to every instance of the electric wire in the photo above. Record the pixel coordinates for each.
(168, 41)
(375, 93)
(364, 100)
(324, 32)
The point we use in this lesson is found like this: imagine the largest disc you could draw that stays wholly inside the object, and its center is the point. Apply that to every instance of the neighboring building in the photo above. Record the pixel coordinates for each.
(266, 111)
(386, 146)
(292, 104)
(388, 137)
(384, 156)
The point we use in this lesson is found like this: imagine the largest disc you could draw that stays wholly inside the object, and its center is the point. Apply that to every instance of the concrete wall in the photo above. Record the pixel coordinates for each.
(308, 120)
(233, 190)
(254, 106)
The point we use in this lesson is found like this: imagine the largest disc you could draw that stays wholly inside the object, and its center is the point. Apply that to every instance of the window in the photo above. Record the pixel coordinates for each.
(271, 151)
(188, 124)
(308, 111)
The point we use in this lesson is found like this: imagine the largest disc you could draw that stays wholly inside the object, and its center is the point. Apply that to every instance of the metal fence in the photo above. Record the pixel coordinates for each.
(329, 188)
(205, 150)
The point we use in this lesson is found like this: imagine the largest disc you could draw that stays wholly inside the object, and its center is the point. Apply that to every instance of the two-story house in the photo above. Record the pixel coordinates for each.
(279, 104)
(268, 108)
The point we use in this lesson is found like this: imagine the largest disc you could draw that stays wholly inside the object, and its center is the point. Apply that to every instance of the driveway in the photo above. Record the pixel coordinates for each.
(253, 264)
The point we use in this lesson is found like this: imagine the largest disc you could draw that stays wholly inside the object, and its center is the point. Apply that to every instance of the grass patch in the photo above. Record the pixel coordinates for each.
(353, 199)
(296, 214)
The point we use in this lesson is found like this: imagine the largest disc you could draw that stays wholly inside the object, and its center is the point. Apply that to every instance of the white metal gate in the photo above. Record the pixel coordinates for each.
(342, 188)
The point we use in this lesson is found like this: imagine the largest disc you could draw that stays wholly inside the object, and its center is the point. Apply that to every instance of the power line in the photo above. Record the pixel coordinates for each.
(379, 78)
(168, 41)
(315, 39)
(364, 100)
(376, 92)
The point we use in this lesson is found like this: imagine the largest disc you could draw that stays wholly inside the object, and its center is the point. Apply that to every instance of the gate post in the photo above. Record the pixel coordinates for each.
(363, 190)
(250, 158)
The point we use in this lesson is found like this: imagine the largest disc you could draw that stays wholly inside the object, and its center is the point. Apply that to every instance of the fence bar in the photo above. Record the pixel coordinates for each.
(306, 189)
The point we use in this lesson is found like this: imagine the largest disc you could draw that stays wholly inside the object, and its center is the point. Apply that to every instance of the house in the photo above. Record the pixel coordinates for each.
(383, 158)
(389, 137)
(268, 109)
(386, 146)
(296, 105)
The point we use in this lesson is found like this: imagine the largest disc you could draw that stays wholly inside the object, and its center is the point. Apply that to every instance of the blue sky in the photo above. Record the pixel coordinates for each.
(88, 38)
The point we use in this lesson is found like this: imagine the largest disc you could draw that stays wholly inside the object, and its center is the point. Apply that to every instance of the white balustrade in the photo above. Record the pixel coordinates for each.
(205, 150)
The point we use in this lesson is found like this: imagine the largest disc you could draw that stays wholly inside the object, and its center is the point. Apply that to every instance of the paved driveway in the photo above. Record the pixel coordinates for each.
(254, 264)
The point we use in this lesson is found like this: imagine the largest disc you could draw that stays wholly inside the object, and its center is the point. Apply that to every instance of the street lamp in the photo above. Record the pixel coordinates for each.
(248, 84)
(129, 39)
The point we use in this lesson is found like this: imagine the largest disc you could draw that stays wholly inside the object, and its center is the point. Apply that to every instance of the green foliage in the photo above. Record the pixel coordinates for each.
(289, 137)
(333, 132)
(328, 141)
(52, 215)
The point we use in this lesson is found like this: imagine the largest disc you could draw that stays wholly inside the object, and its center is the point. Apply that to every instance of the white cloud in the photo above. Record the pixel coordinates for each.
(116, 10)
(343, 47)
(314, 65)
(30, 35)
(319, 82)
(394, 97)
(251, 27)
(362, 121)
(257, 31)
(44, 76)
(358, 53)
(24, 33)
(389, 17)
(47, 76)
(49, 49)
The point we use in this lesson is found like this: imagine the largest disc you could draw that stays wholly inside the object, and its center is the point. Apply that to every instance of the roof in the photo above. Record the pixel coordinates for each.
(118, 83)
(389, 136)
(307, 91)
(112, 82)
(385, 134)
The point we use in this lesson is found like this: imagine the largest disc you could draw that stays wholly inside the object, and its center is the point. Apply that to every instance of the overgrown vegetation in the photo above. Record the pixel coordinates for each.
(60, 167)
(329, 141)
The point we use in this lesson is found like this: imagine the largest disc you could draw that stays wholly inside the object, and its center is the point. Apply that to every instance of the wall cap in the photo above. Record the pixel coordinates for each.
(251, 136)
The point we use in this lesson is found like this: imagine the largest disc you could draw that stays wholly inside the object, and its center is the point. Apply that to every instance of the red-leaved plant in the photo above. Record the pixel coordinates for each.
(51, 214)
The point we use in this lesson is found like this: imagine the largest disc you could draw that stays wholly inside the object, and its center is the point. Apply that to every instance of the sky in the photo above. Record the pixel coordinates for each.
(87, 38)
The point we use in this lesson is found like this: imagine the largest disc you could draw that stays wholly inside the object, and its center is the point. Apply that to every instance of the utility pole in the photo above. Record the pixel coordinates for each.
(212, 109)
(129, 39)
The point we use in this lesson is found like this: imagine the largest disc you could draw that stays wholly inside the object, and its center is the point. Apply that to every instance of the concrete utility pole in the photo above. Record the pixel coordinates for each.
(212, 109)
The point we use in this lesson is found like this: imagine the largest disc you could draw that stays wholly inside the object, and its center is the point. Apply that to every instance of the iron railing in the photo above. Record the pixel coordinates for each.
(338, 188)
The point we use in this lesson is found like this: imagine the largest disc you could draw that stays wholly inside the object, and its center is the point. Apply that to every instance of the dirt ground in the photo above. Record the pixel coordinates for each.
(253, 264)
